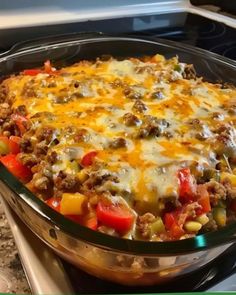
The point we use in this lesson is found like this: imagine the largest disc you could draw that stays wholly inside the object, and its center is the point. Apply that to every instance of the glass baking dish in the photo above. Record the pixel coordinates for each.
(123, 261)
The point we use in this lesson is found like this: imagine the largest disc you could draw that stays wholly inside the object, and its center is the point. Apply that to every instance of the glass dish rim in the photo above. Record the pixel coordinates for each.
(200, 242)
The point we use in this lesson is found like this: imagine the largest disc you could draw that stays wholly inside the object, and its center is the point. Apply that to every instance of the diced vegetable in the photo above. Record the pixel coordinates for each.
(9, 145)
(169, 220)
(115, 216)
(176, 231)
(12, 163)
(192, 226)
(187, 186)
(219, 214)
(231, 177)
(203, 199)
(4, 145)
(72, 204)
(48, 69)
(157, 226)
(20, 122)
(14, 144)
(54, 203)
(88, 159)
(203, 219)
(32, 72)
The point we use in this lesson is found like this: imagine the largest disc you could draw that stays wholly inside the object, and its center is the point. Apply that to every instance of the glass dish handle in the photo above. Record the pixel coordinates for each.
(49, 40)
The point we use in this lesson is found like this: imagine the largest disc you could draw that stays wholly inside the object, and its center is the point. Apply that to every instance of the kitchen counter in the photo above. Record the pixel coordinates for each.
(12, 277)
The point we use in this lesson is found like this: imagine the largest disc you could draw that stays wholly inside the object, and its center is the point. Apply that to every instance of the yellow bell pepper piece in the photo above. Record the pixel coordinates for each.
(71, 204)
(230, 176)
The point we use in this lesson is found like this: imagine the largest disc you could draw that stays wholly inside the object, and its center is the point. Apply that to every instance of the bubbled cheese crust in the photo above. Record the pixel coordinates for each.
(96, 95)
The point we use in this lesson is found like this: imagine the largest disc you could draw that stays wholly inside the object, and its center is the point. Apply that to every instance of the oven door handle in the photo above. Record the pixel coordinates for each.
(49, 40)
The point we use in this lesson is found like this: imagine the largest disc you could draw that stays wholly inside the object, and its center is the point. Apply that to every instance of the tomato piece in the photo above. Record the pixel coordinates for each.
(16, 167)
(169, 220)
(54, 203)
(187, 186)
(176, 231)
(20, 122)
(32, 72)
(14, 144)
(88, 159)
(115, 216)
(204, 200)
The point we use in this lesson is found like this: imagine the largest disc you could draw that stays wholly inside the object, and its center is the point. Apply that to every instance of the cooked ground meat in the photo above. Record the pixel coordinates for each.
(225, 144)
(82, 135)
(41, 148)
(3, 92)
(5, 110)
(45, 133)
(29, 159)
(158, 95)
(97, 178)
(66, 182)
(143, 224)
(21, 110)
(52, 158)
(189, 72)
(129, 92)
(152, 126)
(230, 190)
(119, 142)
(216, 191)
(26, 145)
(130, 119)
(139, 106)
(29, 89)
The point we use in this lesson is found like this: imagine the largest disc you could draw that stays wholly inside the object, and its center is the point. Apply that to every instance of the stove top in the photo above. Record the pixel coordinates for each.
(200, 32)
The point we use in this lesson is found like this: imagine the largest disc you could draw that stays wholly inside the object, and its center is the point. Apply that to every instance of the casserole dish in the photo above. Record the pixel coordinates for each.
(120, 260)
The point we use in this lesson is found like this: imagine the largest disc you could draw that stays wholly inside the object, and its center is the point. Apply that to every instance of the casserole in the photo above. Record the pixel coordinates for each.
(97, 253)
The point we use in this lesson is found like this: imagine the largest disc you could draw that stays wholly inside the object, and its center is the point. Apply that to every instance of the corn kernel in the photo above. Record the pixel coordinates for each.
(192, 226)
(203, 219)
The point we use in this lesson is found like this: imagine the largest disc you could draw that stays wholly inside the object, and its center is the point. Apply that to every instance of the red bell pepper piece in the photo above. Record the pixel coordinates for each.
(32, 72)
(88, 159)
(176, 231)
(115, 216)
(187, 186)
(14, 144)
(169, 220)
(54, 203)
(12, 163)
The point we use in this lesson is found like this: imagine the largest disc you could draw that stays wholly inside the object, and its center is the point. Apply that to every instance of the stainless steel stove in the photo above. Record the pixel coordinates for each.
(175, 20)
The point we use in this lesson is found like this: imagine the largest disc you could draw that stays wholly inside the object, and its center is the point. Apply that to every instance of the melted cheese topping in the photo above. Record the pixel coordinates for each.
(95, 96)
